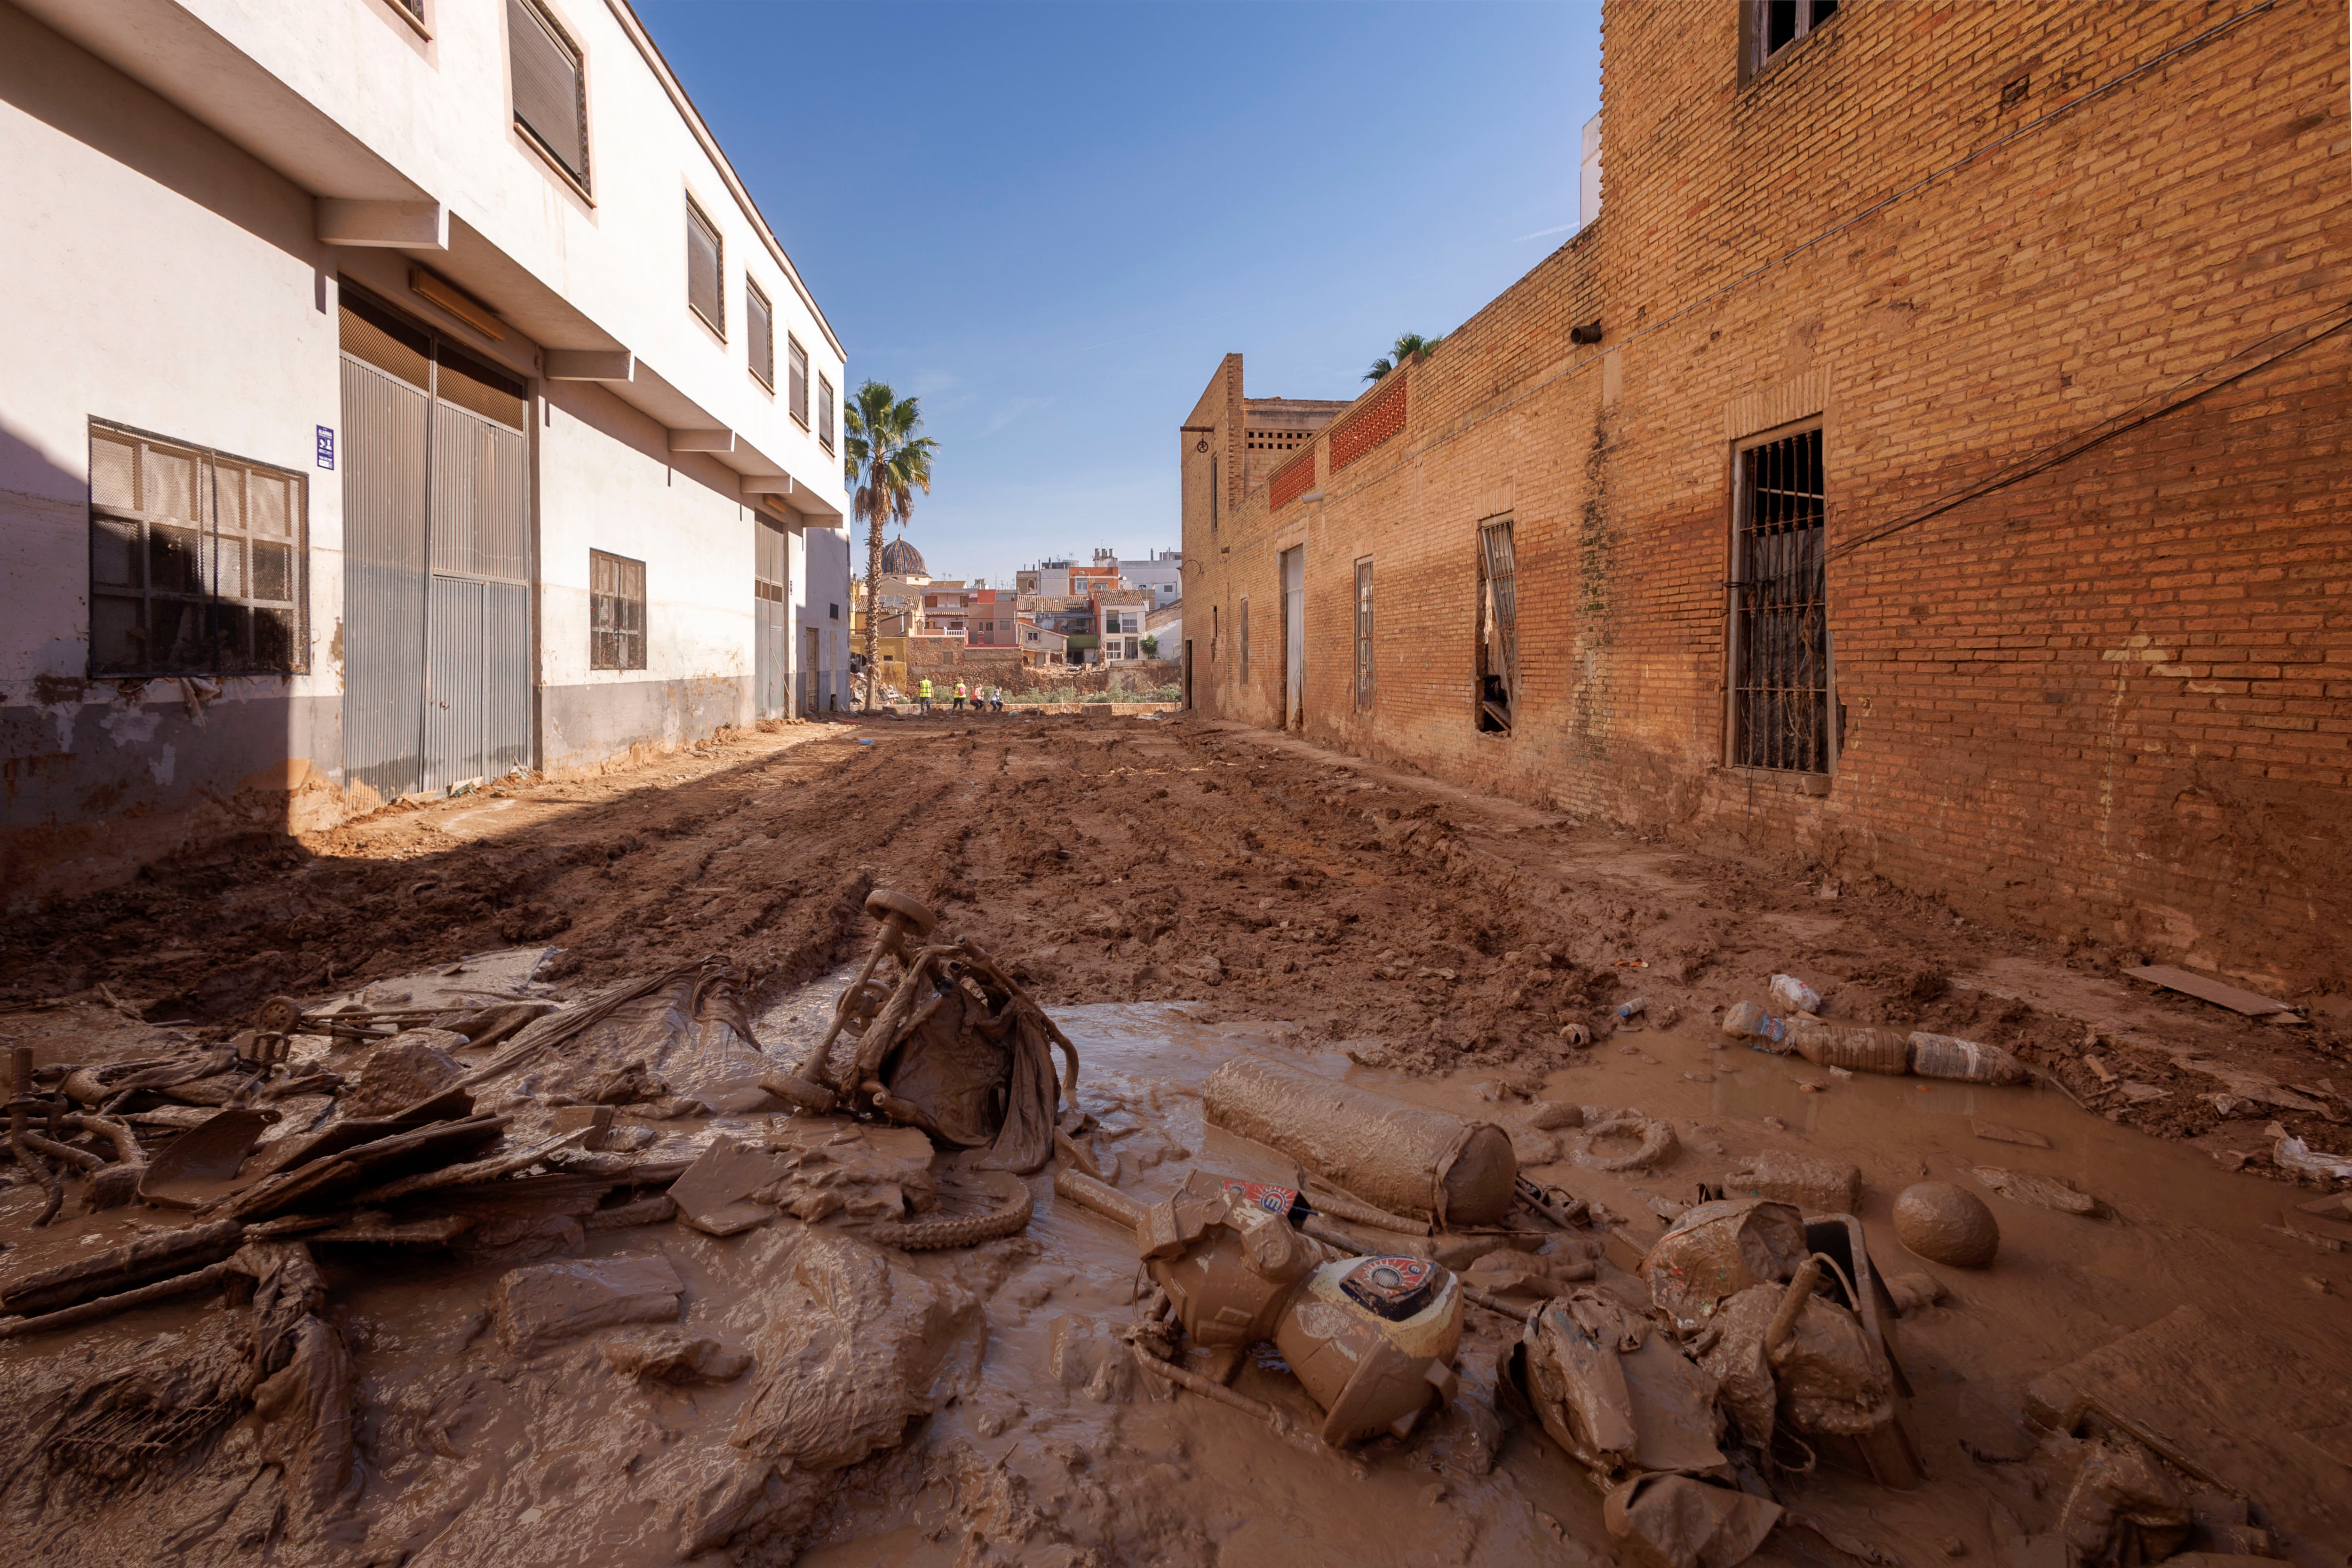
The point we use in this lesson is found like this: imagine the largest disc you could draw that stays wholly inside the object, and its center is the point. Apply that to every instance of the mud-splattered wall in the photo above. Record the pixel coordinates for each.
(2059, 286)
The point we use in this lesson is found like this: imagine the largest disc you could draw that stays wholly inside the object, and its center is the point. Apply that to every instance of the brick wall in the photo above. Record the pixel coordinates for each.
(2108, 697)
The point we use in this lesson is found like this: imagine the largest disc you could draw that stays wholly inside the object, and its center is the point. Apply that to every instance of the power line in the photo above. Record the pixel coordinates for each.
(2106, 430)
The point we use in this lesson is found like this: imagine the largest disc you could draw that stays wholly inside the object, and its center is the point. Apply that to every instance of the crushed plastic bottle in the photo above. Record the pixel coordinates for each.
(1638, 1006)
(1863, 1047)
(1763, 1031)
(1795, 995)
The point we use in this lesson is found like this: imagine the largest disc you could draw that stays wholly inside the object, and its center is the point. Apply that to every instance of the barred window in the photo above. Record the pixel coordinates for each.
(825, 413)
(199, 563)
(1364, 632)
(551, 90)
(616, 612)
(705, 268)
(1779, 602)
(1241, 636)
(1498, 625)
(759, 327)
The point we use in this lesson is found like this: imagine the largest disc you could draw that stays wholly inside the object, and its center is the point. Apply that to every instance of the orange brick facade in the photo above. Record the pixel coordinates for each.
(2058, 284)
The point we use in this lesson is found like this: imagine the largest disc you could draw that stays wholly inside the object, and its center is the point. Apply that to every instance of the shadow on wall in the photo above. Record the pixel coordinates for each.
(100, 777)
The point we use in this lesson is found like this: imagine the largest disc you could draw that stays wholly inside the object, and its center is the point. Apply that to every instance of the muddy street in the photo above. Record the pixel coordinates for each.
(604, 1294)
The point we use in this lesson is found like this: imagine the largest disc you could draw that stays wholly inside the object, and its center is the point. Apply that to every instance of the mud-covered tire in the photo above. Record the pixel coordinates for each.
(882, 902)
(278, 1015)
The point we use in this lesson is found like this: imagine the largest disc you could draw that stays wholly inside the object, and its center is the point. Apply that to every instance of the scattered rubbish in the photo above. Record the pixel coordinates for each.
(1815, 1186)
(1409, 1159)
(1867, 1048)
(1632, 1009)
(2293, 1155)
(1996, 1132)
(1945, 1224)
(1718, 1249)
(1370, 1338)
(2337, 1206)
(1966, 1062)
(668, 1355)
(1576, 1035)
(1912, 1291)
(1682, 1521)
(1602, 1146)
(2042, 1192)
(1795, 995)
(2220, 993)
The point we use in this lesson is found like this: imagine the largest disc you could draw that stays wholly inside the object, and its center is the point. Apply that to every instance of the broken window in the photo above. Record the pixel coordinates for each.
(1364, 633)
(199, 563)
(1498, 627)
(1778, 608)
(1244, 637)
(1768, 27)
(616, 612)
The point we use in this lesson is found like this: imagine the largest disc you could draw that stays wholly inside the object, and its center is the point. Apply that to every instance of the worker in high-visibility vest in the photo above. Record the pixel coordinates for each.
(963, 696)
(923, 694)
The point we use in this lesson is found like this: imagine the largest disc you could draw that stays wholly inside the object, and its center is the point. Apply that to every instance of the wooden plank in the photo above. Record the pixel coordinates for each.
(2207, 989)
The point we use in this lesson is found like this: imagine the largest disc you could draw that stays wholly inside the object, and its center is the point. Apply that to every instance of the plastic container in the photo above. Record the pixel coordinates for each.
(1638, 1006)
(1763, 1031)
(1795, 995)
(1859, 1048)
(1968, 1061)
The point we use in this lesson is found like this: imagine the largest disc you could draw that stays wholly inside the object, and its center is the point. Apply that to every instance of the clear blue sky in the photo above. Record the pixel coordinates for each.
(1050, 221)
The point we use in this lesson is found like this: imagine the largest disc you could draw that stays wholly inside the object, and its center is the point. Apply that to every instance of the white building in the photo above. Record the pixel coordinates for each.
(393, 393)
(1162, 572)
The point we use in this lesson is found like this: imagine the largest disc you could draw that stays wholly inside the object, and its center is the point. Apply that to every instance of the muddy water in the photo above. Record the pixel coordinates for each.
(469, 1455)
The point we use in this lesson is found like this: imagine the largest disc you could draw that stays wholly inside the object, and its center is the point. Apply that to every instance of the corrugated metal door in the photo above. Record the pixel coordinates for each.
(437, 568)
(772, 645)
(384, 436)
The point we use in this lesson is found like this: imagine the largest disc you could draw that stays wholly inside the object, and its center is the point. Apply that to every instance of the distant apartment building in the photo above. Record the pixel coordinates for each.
(990, 616)
(1119, 615)
(1162, 572)
(395, 394)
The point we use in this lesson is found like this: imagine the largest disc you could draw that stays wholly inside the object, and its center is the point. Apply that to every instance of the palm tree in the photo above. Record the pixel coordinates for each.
(1413, 346)
(884, 462)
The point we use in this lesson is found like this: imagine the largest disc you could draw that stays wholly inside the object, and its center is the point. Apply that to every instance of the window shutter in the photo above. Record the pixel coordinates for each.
(759, 321)
(549, 96)
(703, 269)
(825, 413)
(798, 356)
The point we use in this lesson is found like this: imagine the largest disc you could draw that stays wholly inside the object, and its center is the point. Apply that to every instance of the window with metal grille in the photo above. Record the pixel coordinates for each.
(825, 413)
(1242, 630)
(1768, 27)
(199, 563)
(705, 268)
(551, 90)
(796, 372)
(616, 612)
(1364, 633)
(759, 327)
(1780, 599)
(1498, 626)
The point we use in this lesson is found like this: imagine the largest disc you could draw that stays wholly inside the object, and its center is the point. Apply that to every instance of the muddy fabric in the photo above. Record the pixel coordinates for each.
(690, 1036)
(305, 1411)
(851, 1353)
(403, 1070)
(1833, 1381)
(951, 1073)
(1744, 1386)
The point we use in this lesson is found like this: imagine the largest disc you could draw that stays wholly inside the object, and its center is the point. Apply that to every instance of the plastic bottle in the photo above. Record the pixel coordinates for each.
(1763, 1031)
(1638, 1005)
(1969, 1061)
(1858, 1047)
(1795, 995)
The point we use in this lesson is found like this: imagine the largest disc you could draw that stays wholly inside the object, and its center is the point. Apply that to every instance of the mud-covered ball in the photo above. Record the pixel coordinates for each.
(1945, 1224)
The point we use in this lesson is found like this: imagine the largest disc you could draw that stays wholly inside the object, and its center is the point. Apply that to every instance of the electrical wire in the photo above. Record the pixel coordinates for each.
(2099, 434)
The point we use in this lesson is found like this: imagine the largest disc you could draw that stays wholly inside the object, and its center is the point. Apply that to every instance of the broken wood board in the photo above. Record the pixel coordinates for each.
(2205, 988)
(735, 1185)
(2246, 1411)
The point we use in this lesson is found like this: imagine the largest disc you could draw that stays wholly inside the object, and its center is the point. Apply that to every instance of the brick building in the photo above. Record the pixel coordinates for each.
(1932, 464)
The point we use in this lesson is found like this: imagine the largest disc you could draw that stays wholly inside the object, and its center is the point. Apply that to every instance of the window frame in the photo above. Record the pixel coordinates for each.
(207, 600)
(1502, 606)
(755, 296)
(1757, 56)
(582, 179)
(1364, 678)
(1736, 605)
(695, 215)
(617, 661)
(797, 380)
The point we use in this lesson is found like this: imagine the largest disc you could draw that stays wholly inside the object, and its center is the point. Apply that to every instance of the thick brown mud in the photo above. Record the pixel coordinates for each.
(1178, 897)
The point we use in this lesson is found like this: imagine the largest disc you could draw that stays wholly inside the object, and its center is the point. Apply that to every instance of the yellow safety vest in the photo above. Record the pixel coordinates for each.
(927, 689)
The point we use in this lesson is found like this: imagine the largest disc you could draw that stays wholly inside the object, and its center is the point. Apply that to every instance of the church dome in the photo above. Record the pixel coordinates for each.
(900, 559)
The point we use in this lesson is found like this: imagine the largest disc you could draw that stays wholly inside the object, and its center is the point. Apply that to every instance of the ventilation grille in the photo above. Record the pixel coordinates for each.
(1293, 480)
(1381, 418)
